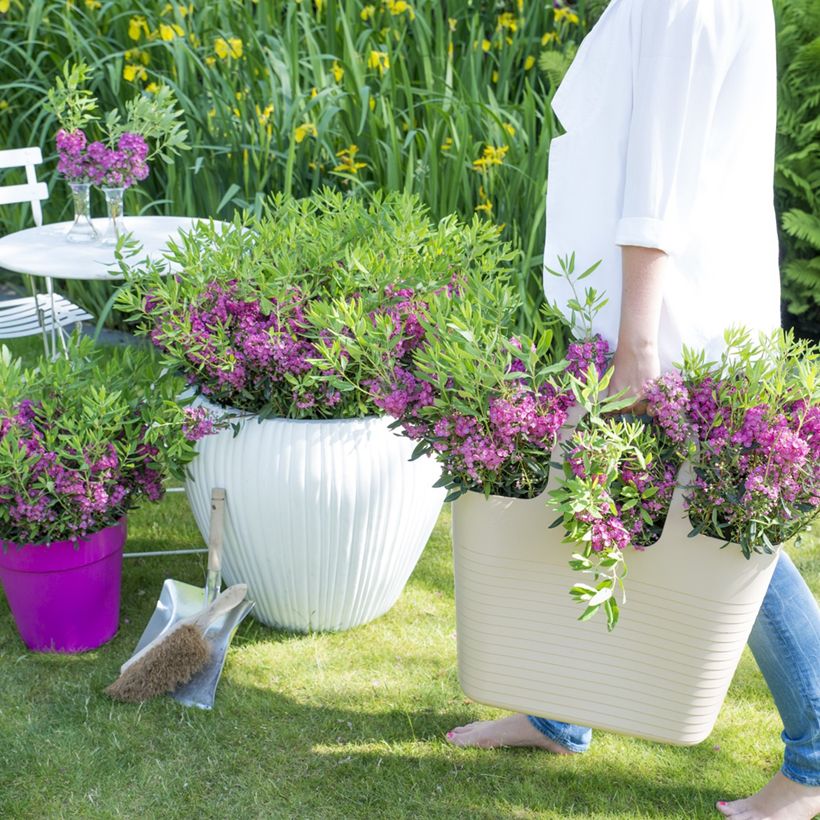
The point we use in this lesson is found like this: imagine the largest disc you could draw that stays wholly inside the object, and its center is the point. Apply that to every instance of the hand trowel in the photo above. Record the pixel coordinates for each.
(179, 600)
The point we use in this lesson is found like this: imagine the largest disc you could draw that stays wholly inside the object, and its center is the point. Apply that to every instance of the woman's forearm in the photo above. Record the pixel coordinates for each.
(641, 298)
(636, 355)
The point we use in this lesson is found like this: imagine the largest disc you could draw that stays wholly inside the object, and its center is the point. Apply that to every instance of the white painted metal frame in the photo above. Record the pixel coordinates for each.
(49, 313)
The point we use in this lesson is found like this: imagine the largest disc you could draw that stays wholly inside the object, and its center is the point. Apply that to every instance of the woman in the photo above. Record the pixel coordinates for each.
(665, 173)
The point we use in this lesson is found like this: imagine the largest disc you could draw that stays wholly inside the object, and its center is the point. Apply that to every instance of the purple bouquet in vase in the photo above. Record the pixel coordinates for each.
(120, 158)
(71, 152)
(114, 170)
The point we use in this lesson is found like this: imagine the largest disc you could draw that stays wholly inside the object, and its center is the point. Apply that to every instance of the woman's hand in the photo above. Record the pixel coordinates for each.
(633, 369)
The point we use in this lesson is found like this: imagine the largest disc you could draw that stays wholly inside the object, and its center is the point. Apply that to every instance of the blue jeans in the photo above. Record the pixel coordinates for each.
(785, 642)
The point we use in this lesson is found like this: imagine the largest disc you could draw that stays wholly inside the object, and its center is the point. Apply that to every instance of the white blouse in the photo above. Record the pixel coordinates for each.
(669, 109)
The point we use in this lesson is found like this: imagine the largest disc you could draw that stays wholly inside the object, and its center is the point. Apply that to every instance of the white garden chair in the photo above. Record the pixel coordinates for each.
(45, 313)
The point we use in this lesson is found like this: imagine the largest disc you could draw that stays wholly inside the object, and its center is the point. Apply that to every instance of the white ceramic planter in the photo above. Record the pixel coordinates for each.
(662, 674)
(325, 519)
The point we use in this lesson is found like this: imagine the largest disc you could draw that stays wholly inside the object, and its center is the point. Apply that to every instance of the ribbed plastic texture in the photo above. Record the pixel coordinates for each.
(662, 674)
(325, 520)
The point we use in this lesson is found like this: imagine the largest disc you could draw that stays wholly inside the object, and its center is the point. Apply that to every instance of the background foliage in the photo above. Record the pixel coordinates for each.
(798, 159)
(448, 99)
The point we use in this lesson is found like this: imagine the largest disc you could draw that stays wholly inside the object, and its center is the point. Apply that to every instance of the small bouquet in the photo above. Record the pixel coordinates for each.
(122, 156)
(84, 439)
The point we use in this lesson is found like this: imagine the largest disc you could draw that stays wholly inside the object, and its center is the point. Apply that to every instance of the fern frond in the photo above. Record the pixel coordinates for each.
(803, 226)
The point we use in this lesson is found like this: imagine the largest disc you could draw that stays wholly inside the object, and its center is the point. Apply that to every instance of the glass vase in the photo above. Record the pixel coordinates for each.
(115, 227)
(82, 230)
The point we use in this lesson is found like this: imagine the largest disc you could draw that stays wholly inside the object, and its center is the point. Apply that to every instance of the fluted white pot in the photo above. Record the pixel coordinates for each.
(325, 519)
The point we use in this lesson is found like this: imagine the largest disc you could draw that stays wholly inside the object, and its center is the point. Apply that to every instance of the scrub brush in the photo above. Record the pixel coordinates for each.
(172, 659)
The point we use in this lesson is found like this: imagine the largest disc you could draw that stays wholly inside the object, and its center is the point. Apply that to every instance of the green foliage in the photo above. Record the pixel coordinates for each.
(156, 117)
(326, 264)
(70, 101)
(288, 96)
(798, 157)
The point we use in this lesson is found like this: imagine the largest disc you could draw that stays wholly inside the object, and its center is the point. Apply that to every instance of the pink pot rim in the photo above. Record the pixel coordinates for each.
(59, 556)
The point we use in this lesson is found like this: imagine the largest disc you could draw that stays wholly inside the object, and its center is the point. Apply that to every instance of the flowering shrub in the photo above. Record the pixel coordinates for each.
(619, 475)
(748, 424)
(124, 160)
(248, 318)
(485, 399)
(754, 420)
(85, 439)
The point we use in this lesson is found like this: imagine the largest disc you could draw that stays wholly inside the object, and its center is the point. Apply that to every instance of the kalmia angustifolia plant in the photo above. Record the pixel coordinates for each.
(483, 397)
(85, 438)
(750, 424)
(249, 318)
(619, 475)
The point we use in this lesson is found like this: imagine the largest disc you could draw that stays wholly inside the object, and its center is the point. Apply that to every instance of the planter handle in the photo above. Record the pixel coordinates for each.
(215, 532)
(677, 524)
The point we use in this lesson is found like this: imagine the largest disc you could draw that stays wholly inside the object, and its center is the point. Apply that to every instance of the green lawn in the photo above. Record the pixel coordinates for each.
(347, 725)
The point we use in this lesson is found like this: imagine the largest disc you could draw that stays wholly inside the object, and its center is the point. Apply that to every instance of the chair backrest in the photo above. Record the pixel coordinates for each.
(31, 191)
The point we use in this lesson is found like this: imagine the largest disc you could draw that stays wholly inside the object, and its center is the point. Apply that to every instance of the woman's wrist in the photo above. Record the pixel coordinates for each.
(638, 346)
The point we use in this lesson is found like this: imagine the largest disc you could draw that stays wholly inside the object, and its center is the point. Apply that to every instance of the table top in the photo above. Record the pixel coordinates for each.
(44, 251)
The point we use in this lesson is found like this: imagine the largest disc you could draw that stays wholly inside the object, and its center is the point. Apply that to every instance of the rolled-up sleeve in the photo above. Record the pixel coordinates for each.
(683, 50)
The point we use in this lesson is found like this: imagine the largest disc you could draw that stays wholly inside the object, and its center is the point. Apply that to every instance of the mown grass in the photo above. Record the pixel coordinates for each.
(346, 725)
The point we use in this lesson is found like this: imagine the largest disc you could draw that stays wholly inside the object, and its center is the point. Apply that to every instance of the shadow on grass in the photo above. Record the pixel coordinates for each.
(403, 752)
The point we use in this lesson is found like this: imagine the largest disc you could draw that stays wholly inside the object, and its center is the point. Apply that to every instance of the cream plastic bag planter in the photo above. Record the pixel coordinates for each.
(662, 674)
(325, 519)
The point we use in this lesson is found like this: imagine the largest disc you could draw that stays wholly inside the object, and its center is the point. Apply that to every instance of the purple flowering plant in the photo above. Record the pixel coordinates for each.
(85, 438)
(255, 306)
(619, 472)
(749, 424)
(481, 395)
(121, 156)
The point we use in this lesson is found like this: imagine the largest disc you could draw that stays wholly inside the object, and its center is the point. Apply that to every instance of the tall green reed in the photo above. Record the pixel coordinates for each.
(443, 99)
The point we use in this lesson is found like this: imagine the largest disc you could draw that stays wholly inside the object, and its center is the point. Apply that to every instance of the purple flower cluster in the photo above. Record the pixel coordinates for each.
(633, 497)
(87, 490)
(754, 465)
(241, 355)
(71, 155)
(580, 355)
(198, 423)
(504, 445)
(120, 167)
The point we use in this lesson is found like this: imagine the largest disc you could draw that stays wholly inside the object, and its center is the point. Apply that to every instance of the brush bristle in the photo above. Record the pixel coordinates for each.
(172, 662)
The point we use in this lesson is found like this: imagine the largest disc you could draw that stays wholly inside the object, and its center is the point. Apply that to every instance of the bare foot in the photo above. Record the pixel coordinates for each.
(779, 799)
(515, 730)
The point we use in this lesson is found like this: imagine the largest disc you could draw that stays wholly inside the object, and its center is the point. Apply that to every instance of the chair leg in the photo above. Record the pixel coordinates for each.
(54, 331)
(41, 317)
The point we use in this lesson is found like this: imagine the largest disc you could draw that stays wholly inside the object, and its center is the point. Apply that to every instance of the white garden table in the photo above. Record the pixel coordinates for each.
(45, 252)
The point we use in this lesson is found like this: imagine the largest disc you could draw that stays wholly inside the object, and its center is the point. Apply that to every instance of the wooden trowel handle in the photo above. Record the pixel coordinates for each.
(214, 578)
(216, 530)
(224, 603)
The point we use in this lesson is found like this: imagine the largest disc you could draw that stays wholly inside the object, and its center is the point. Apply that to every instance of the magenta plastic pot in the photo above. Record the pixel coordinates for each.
(65, 597)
